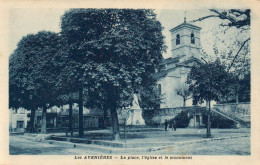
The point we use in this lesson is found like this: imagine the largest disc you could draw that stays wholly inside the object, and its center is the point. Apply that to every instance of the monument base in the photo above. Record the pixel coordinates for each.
(135, 117)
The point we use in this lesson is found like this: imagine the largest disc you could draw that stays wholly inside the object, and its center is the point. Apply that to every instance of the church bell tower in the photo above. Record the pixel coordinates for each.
(185, 39)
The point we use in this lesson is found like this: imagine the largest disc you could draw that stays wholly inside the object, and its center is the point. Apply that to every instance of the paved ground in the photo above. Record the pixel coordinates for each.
(22, 146)
(237, 146)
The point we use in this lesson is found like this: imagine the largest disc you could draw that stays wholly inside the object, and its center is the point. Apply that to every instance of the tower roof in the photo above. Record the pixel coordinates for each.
(185, 24)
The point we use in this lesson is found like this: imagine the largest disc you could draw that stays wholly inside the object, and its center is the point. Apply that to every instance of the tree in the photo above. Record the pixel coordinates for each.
(32, 73)
(149, 96)
(239, 89)
(17, 97)
(184, 92)
(68, 98)
(234, 17)
(207, 83)
(234, 52)
(116, 49)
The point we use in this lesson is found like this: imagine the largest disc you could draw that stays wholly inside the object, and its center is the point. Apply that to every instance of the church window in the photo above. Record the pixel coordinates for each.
(192, 38)
(177, 39)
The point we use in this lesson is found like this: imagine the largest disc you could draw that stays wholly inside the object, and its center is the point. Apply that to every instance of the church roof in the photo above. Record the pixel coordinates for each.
(178, 64)
(191, 59)
(164, 72)
(171, 60)
(185, 24)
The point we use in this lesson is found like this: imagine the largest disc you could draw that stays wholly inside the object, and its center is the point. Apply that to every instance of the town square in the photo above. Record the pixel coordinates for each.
(90, 81)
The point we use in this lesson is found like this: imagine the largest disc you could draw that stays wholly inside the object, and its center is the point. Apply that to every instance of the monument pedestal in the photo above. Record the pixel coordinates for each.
(135, 116)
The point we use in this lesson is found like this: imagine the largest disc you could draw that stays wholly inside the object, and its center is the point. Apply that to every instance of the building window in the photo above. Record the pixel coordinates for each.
(197, 118)
(177, 39)
(160, 88)
(192, 38)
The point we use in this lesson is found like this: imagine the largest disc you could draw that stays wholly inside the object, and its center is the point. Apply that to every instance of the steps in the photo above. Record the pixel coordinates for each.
(88, 141)
(231, 117)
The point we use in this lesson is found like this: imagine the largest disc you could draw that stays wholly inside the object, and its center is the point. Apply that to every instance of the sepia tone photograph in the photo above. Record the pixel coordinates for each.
(129, 81)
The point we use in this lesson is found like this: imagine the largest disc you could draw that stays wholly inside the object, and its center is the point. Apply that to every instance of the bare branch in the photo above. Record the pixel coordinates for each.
(202, 18)
(238, 53)
(223, 15)
(237, 11)
(230, 15)
(189, 98)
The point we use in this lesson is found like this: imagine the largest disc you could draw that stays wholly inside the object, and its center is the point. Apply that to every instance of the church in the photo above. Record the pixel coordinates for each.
(185, 52)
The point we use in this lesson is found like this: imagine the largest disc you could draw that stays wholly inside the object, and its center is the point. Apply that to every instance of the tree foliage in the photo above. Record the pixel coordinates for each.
(32, 73)
(239, 89)
(208, 81)
(31, 67)
(181, 120)
(234, 51)
(115, 51)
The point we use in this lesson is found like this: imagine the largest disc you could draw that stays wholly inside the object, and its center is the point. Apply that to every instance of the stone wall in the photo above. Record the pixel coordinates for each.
(151, 116)
(240, 110)
(156, 117)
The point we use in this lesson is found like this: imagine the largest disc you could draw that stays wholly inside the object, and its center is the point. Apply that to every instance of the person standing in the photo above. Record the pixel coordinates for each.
(171, 125)
(165, 124)
(174, 125)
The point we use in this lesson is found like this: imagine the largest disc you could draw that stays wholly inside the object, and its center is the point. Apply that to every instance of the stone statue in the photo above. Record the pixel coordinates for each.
(135, 113)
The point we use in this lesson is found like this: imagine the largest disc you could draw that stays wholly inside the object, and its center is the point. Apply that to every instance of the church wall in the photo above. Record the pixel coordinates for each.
(169, 84)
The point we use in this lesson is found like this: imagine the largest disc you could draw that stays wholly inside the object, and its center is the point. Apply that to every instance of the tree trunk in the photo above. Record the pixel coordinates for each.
(81, 128)
(32, 120)
(184, 102)
(208, 135)
(44, 113)
(105, 116)
(70, 117)
(115, 125)
(237, 93)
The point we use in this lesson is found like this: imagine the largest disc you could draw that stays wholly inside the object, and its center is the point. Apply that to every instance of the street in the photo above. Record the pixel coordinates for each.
(237, 146)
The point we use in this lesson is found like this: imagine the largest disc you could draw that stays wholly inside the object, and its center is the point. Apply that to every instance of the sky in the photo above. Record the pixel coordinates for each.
(30, 21)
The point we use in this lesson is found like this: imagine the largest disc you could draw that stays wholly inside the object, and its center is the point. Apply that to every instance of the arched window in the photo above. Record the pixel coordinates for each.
(192, 38)
(177, 39)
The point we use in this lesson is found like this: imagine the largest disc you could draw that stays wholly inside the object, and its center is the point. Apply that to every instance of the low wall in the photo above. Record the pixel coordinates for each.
(154, 117)
(240, 110)
(158, 116)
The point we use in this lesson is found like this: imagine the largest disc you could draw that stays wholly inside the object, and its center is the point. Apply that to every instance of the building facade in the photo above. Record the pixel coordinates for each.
(186, 47)
(18, 120)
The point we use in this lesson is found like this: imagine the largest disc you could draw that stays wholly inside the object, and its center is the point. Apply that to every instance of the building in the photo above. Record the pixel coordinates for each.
(185, 53)
(57, 118)
(17, 120)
